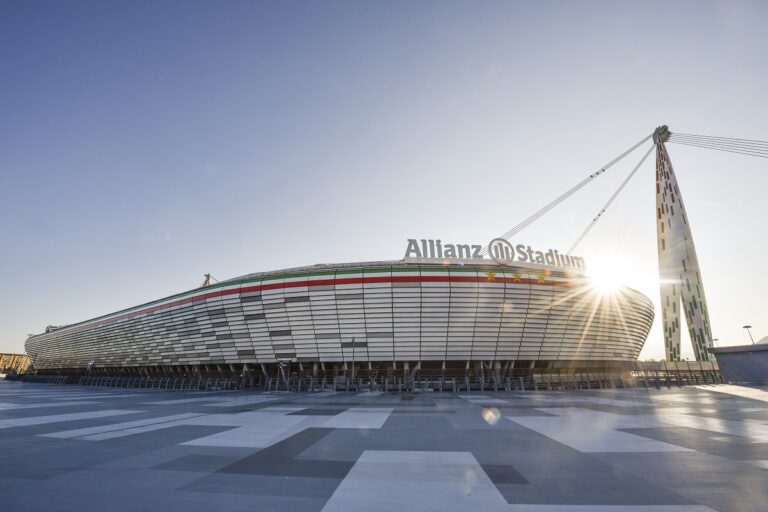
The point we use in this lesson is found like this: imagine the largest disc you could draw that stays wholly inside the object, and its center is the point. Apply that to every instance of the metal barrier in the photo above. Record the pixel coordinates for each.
(669, 376)
(638, 375)
(45, 379)
(164, 383)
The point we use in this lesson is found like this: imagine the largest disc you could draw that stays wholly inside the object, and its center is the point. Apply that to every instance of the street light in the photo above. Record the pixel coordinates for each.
(748, 327)
(715, 340)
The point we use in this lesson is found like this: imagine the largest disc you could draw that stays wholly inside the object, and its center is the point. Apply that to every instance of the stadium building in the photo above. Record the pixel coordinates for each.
(391, 319)
(447, 309)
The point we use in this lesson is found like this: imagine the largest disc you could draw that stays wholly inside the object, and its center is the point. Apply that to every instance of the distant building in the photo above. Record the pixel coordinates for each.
(746, 364)
(18, 362)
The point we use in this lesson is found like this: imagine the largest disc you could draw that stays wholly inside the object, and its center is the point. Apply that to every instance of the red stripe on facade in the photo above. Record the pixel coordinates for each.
(326, 282)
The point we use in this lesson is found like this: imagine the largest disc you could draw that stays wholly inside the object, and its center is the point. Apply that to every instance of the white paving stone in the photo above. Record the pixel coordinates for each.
(754, 430)
(121, 429)
(578, 400)
(608, 508)
(8, 406)
(256, 429)
(740, 391)
(359, 417)
(243, 400)
(178, 401)
(252, 429)
(397, 481)
(483, 400)
(103, 395)
(593, 431)
(57, 418)
(400, 480)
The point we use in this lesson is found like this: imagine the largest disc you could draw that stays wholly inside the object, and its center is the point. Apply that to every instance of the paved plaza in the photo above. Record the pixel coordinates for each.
(690, 449)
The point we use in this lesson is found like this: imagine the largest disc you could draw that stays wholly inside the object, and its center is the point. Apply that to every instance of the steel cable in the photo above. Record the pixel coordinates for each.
(736, 145)
(535, 216)
(610, 201)
(745, 141)
(721, 148)
(756, 152)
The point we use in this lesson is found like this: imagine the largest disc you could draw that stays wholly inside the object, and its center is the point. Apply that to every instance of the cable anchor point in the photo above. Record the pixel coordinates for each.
(661, 135)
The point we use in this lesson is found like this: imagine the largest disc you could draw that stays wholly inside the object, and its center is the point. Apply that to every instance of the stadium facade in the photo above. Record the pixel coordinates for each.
(443, 316)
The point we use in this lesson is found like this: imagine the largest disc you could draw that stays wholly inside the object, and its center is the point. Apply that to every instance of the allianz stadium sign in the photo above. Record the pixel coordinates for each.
(499, 251)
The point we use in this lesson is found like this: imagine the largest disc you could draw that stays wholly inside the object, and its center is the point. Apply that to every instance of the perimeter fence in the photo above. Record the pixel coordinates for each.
(636, 375)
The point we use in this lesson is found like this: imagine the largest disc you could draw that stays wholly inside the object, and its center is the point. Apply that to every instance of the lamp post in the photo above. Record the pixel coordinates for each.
(714, 341)
(748, 327)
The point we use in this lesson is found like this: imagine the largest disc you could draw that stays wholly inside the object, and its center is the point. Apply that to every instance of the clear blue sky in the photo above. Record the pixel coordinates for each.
(143, 144)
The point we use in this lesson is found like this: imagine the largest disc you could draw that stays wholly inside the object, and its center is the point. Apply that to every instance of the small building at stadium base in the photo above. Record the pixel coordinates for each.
(744, 364)
(432, 316)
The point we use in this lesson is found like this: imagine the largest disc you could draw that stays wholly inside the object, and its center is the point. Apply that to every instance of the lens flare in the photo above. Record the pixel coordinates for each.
(491, 415)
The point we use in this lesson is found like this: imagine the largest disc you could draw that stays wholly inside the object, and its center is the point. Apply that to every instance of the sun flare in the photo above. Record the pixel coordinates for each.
(606, 277)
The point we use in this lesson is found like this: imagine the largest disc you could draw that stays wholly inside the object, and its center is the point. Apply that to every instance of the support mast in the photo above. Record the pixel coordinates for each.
(680, 280)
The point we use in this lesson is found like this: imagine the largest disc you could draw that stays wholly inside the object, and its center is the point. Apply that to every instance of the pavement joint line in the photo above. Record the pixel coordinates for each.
(146, 425)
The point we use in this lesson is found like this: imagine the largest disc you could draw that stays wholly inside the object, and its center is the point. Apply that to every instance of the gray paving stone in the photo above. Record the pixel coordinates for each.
(701, 450)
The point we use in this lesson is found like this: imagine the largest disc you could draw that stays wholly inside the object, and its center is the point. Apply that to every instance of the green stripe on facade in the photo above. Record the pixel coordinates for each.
(416, 268)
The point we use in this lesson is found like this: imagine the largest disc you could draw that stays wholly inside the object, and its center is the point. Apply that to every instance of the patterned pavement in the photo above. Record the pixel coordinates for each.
(681, 450)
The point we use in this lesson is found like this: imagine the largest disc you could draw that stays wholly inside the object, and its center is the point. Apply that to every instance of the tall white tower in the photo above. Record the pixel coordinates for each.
(679, 274)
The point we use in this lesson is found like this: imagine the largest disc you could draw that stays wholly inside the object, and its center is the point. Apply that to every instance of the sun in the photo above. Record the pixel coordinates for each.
(606, 277)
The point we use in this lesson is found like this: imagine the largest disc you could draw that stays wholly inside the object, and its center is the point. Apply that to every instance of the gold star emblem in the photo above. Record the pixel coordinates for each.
(541, 279)
(491, 276)
(517, 278)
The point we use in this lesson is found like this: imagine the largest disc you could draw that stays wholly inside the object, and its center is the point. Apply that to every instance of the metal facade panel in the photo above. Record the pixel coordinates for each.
(404, 312)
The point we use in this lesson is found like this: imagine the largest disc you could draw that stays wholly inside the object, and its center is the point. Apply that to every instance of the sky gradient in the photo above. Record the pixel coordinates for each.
(143, 144)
